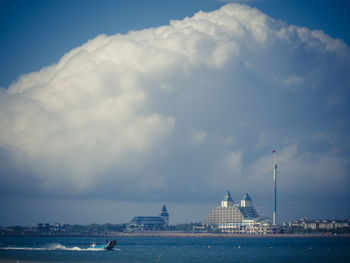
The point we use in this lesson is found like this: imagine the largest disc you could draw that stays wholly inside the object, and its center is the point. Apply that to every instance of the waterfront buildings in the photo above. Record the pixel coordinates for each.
(241, 218)
(147, 223)
(318, 225)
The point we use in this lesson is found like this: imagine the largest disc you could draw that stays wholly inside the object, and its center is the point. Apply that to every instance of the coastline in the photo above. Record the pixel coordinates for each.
(212, 235)
(175, 234)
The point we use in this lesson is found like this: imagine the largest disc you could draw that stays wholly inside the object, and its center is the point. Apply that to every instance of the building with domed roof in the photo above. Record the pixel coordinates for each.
(235, 218)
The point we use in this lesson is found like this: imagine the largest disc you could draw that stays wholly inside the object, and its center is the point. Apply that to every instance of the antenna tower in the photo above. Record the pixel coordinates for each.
(274, 186)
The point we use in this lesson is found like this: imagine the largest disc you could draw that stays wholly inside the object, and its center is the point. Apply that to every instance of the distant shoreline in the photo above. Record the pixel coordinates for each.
(190, 235)
(209, 235)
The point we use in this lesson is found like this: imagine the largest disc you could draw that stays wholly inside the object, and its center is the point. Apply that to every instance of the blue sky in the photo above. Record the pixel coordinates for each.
(109, 104)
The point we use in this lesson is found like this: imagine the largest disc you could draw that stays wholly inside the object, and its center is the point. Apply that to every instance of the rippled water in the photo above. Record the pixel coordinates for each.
(166, 249)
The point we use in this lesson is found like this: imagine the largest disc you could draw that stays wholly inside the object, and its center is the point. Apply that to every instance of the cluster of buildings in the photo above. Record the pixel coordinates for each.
(228, 217)
(318, 225)
(237, 218)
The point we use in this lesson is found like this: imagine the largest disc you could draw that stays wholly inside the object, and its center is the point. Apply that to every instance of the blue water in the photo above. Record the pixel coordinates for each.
(166, 249)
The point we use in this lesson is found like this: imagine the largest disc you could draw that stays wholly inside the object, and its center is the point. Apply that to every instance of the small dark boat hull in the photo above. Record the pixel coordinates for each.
(110, 245)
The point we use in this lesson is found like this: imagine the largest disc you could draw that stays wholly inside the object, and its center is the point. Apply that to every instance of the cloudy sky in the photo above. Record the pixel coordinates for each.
(109, 110)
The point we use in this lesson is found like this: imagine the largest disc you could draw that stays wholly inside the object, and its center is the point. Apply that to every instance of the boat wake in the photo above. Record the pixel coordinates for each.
(53, 247)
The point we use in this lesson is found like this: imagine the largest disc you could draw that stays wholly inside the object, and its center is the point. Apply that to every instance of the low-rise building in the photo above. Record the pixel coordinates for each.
(150, 223)
(321, 225)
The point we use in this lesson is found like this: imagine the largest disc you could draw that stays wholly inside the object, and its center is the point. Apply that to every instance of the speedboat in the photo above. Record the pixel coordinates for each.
(108, 246)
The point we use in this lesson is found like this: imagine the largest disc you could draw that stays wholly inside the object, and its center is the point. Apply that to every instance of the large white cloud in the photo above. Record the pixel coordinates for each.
(189, 108)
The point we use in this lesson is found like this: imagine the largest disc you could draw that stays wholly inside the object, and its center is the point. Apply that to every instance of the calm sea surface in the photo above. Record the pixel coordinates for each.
(170, 249)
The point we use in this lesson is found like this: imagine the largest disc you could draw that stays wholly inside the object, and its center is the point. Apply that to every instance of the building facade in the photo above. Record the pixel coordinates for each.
(150, 223)
(327, 225)
(237, 218)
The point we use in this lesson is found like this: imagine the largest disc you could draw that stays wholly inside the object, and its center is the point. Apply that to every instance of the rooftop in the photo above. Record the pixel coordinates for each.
(246, 197)
(228, 197)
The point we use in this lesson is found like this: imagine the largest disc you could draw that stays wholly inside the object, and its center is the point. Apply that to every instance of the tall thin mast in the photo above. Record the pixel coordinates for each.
(274, 186)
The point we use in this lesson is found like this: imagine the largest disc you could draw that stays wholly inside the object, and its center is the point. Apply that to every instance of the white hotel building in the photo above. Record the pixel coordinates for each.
(240, 218)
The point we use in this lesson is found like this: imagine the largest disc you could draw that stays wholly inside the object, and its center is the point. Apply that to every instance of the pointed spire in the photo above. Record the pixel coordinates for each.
(246, 201)
(228, 197)
(227, 201)
(165, 215)
(164, 212)
(246, 197)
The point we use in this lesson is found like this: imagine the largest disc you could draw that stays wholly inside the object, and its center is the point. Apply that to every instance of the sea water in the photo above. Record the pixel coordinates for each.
(176, 249)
